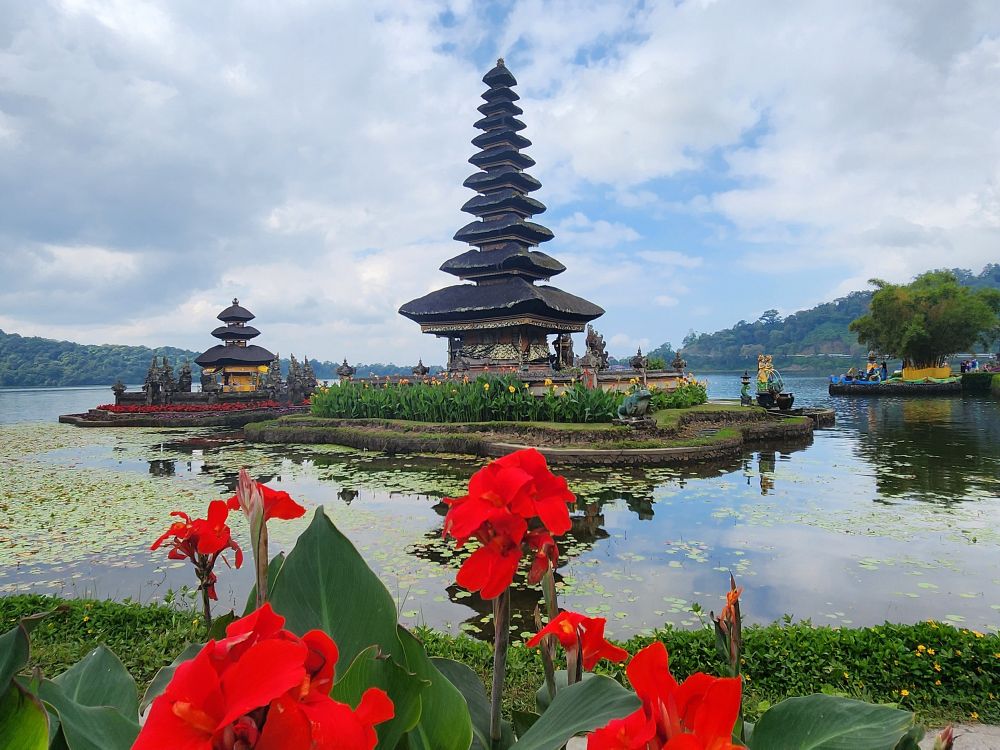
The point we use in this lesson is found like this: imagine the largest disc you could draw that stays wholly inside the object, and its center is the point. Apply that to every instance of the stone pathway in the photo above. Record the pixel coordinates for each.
(967, 737)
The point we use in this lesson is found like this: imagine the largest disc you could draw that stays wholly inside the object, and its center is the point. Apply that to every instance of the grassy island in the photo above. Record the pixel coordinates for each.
(696, 433)
(947, 673)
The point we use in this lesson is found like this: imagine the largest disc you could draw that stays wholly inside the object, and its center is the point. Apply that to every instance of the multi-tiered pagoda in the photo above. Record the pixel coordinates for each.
(503, 319)
(239, 365)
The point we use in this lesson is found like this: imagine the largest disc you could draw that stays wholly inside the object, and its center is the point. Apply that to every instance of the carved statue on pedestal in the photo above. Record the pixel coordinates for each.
(564, 351)
(639, 361)
(345, 371)
(184, 377)
(597, 355)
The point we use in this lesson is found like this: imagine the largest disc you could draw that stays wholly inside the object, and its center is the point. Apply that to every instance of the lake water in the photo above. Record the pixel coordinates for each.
(891, 515)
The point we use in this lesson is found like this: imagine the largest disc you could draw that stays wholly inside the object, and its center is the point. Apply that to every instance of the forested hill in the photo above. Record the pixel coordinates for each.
(31, 361)
(814, 340)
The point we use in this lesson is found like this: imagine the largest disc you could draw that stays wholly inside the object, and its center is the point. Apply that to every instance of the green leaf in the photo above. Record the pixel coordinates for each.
(326, 584)
(219, 624)
(523, 721)
(100, 679)
(24, 725)
(165, 674)
(830, 723)
(373, 669)
(444, 723)
(15, 647)
(578, 708)
(474, 692)
(89, 727)
(542, 700)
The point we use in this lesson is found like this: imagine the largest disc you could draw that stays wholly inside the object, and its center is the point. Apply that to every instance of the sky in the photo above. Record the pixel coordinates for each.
(701, 161)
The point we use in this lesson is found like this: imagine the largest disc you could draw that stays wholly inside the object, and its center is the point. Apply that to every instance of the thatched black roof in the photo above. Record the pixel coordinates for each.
(511, 297)
(220, 355)
(235, 333)
(235, 313)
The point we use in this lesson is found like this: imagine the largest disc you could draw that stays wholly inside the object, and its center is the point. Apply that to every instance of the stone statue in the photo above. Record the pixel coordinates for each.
(421, 369)
(273, 380)
(184, 377)
(597, 355)
(118, 389)
(635, 406)
(308, 376)
(151, 385)
(345, 371)
(639, 361)
(564, 351)
(208, 384)
(678, 363)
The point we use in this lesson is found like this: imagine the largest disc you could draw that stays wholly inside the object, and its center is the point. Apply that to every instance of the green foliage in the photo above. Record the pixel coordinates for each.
(814, 340)
(690, 393)
(827, 722)
(929, 319)
(498, 399)
(977, 382)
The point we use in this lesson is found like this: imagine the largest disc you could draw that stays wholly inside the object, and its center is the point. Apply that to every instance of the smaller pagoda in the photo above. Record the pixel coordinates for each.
(236, 365)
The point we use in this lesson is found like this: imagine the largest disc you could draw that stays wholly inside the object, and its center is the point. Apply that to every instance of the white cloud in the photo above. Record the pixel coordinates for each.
(309, 157)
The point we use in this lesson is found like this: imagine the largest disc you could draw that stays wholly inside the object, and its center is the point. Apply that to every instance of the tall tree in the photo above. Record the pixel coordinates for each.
(929, 319)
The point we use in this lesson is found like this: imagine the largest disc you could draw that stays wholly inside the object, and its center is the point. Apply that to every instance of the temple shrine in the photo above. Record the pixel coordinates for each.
(238, 365)
(503, 318)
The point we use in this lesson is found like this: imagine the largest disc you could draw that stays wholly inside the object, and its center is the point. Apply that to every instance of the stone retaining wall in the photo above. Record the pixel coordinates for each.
(101, 418)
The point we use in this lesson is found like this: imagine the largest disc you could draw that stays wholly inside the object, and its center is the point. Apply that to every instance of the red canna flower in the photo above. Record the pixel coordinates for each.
(575, 631)
(261, 688)
(201, 541)
(546, 554)
(277, 504)
(634, 732)
(491, 568)
(698, 714)
(503, 497)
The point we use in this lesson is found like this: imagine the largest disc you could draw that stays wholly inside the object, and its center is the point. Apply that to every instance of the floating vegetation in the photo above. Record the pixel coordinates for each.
(803, 530)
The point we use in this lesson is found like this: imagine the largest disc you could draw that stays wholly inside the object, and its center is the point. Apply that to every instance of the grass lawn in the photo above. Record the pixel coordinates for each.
(949, 674)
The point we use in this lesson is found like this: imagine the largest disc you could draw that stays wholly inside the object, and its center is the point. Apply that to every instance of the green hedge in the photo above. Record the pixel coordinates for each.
(976, 382)
(875, 664)
(493, 399)
(995, 387)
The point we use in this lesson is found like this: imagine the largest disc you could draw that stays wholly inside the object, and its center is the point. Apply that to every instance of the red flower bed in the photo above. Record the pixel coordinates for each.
(189, 408)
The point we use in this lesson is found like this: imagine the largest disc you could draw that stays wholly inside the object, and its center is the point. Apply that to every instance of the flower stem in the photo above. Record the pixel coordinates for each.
(261, 563)
(501, 639)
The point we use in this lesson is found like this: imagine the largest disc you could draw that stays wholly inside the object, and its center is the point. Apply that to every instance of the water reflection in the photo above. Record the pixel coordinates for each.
(898, 501)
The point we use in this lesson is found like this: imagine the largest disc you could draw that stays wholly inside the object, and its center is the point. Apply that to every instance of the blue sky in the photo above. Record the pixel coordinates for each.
(701, 161)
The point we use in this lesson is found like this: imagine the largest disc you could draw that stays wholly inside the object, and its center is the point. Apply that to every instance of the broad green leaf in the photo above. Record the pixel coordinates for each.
(326, 584)
(100, 679)
(474, 692)
(444, 723)
(89, 727)
(24, 724)
(165, 674)
(827, 722)
(578, 708)
(562, 682)
(15, 648)
(372, 669)
(523, 721)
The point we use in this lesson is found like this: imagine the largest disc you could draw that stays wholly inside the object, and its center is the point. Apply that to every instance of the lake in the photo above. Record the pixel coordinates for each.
(891, 515)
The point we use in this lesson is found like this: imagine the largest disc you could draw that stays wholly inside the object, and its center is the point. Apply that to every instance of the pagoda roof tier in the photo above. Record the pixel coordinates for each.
(501, 94)
(497, 137)
(495, 304)
(235, 333)
(502, 202)
(499, 76)
(509, 227)
(235, 313)
(501, 156)
(495, 122)
(509, 259)
(500, 106)
(221, 355)
(502, 177)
